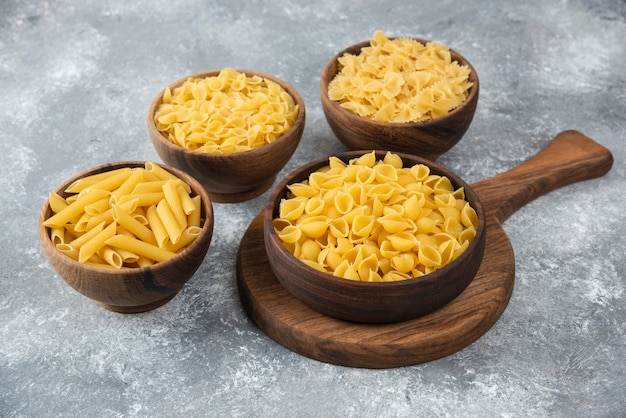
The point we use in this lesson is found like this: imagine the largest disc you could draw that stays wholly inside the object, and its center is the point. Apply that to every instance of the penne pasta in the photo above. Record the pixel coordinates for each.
(75, 209)
(194, 217)
(159, 231)
(140, 248)
(95, 243)
(112, 257)
(168, 219)
(132, 217)
(57, 203)
(133, 226)
(175, 204)
(84, 183)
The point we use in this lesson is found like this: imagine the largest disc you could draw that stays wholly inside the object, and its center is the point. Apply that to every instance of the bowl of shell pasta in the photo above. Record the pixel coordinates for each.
(374, 236)
(399, 94)
(233, 130)
(127, 235)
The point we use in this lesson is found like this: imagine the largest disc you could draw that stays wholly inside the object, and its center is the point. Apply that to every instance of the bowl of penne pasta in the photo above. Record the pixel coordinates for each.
(233, 130)
(127, 235)
(374, 236)
(399, 94)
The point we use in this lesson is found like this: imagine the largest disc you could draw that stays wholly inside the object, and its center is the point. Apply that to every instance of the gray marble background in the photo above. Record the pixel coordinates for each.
(76, 80)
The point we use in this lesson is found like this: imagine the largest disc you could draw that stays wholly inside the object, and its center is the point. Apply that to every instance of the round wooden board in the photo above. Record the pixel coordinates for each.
(438, 334)
(568, 158)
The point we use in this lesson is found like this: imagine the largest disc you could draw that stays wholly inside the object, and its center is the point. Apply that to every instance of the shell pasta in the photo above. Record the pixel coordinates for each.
(130, 217)
(375, 220)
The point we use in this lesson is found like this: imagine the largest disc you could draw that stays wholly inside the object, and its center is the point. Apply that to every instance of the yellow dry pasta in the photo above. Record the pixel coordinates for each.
(370, 227)
(226, 113)
(111, 218)
(400, 80)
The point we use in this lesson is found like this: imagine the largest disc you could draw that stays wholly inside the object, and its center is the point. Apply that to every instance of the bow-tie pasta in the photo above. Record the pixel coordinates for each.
(400, 80)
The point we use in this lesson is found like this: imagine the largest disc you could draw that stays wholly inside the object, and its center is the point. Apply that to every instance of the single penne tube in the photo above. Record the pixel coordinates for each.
(141, 218)
(81, 223)
(68, 250)
(85, 182)
(112, 257)
(169, 221)
(127, 256)
(185, 200)
(95, 243)
(112, 182)
(57, 203)
(129, 205)
(148, 187)
(129, 184)
(194, 218)
(173, 200)
(144, 261)
(187, 236)
(159, 171)
(142, 199)
(97, 207)
(76, 208)
(72, 198)
(131, 224)
(78, 242)
(57, 235)
(106, 217)
(140, 248)
(160, 234)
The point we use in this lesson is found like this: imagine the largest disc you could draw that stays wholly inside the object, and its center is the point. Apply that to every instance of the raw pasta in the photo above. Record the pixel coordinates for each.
(227, 113)
(400, 80)
(125, 218)
(375, 220)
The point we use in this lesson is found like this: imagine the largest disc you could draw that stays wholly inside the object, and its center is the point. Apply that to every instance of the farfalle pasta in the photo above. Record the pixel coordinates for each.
(226, 113)
(400, 80)
(375, 220)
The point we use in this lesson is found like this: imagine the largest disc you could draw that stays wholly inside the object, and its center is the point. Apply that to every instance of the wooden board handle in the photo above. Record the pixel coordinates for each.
(568, 158)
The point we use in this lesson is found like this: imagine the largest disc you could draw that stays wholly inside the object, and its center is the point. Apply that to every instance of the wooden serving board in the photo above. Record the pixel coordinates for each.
(569, 158)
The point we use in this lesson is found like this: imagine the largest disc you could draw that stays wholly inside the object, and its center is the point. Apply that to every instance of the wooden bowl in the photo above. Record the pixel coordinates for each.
(364, 302)
(428, 139)
(130, 290)
(233, 177)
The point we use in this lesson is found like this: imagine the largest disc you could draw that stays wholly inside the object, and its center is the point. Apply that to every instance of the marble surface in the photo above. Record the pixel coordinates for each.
(77, 79)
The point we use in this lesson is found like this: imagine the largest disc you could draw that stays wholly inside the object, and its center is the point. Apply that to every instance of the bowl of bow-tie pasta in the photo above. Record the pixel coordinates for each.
(374, 236)
(399, 94)
(233, 130)
(127, 235)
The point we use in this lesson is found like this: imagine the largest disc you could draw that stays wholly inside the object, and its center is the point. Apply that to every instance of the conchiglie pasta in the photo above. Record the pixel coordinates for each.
(400, 80)
(355, 220)
(226, 113)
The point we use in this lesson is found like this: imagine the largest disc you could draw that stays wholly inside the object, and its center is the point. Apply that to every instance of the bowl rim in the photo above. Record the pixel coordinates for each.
(195, 245)
(298, 123)
(326, 78)
(300, 173)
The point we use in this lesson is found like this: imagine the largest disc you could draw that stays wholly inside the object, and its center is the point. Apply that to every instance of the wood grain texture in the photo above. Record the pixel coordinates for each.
(130, 290)
(235, 177)
(428, 139)
(570, 157)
